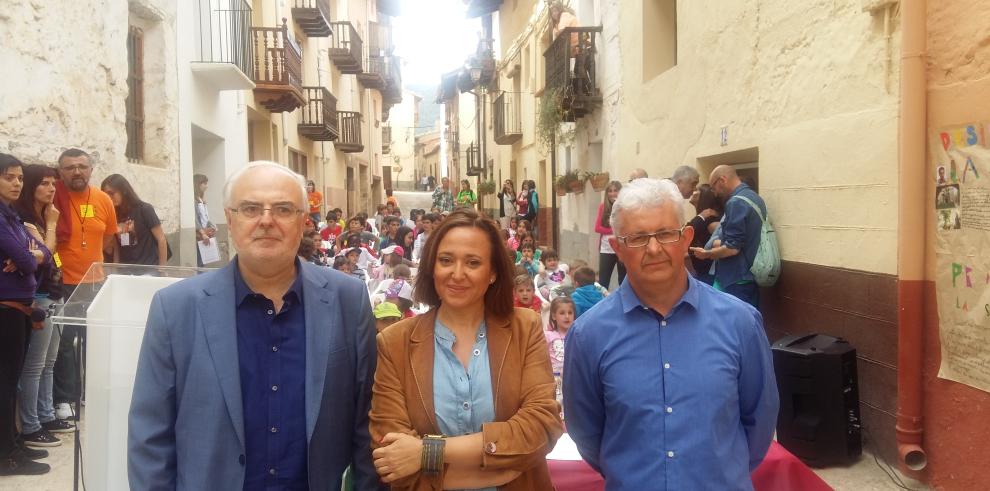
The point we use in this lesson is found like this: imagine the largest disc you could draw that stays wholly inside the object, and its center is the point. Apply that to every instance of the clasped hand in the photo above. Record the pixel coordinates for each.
(400, 457)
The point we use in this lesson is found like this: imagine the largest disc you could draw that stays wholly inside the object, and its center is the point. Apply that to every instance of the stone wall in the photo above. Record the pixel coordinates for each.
(66, 87)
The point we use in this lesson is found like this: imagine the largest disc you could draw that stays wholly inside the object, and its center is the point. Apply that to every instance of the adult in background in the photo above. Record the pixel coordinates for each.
(686, 179)
(20, 256)
(141, 237)
(314, 199)
(35, 207)
(205, 230)
(532, 213)
(448, 430)
(739, 236)
(466, 196)
(443, 200)
(637, 173)
(607, 260)
(257, 375)
(506, 203)
(87, 225)
(709, 210)
(708, 416)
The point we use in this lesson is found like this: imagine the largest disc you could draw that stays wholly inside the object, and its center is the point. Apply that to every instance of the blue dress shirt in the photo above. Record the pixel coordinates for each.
(271, 349)
(740, 230)
(462, 399)
(686, 401)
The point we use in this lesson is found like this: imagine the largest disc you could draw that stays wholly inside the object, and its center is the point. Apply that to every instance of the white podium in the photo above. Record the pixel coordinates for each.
(112, 303)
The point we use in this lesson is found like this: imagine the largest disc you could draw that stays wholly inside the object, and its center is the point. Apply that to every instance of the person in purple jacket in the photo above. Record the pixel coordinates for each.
(20, 256)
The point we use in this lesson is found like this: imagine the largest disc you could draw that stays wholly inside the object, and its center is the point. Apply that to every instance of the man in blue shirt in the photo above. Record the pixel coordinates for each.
(739, 236)
(668, 384)
(256, 376)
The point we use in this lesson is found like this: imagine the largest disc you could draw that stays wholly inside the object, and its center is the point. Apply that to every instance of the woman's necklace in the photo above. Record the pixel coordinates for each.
(82, 213)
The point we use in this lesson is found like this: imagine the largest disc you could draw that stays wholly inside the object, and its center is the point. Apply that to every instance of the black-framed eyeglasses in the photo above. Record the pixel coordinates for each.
(642, 240)
(282, 212)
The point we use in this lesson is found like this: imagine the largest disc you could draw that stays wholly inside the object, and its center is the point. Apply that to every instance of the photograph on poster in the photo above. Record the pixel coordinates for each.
(947, 196)
(949, 219)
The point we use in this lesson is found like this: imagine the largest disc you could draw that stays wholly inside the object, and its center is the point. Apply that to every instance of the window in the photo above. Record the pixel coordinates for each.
(659, 37)
(297, 162)
(135, 95)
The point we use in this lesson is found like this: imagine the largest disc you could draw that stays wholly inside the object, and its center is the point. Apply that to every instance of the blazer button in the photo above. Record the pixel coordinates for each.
(241, 459)
(490, 447)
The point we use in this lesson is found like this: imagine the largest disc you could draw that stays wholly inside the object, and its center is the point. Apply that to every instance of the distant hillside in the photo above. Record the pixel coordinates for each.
(429, 112)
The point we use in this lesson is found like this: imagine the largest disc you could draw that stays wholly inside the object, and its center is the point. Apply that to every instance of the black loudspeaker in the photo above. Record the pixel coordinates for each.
(819, 399)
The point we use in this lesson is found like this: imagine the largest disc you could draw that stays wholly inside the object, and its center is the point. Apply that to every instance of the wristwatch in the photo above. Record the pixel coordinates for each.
(432, 459)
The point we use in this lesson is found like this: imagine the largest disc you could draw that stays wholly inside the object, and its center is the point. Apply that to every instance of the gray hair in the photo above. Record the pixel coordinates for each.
(646, 193)
(228, 187)
(685, 173)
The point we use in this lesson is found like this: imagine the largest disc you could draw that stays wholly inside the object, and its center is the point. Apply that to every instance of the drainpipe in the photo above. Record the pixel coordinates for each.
(911, 213)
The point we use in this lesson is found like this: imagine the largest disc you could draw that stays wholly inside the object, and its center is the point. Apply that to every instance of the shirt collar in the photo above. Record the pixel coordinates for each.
(739, 189)
(242, 291)
(446, 337)
(630, 300)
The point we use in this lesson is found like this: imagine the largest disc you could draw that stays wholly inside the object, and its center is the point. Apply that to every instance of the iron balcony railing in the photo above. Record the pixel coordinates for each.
(386, 139)
(319, 115)
(379, 39)
(473, 160)
(506, 116)
(570, 70)
(224, 34)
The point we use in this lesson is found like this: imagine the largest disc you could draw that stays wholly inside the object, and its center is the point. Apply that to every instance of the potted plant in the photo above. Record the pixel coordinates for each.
(599, 180)
(486, 187)
(560, 185)
(575, 182)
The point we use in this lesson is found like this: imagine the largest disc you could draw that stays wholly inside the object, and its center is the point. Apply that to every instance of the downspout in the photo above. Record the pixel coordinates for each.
(911, 213)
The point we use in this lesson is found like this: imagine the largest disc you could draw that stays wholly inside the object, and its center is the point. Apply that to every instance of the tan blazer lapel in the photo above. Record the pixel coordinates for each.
(499, 338)
(421, 347)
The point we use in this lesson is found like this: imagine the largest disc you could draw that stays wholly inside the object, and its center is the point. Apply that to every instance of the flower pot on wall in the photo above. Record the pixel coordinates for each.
(599, 181)
(576, 187)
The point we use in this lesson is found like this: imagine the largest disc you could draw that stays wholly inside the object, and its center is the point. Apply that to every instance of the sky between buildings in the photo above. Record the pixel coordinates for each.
(433, 37)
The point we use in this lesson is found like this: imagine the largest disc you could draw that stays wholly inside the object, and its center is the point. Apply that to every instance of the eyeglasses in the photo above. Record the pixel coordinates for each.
(71, 169)
(642, 240)
(280, 212)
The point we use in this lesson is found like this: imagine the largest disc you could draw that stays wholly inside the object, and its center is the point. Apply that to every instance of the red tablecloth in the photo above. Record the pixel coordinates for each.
(780, 471)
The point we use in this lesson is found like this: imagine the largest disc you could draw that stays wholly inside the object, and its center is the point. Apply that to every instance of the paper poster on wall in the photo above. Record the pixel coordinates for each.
(961, 158)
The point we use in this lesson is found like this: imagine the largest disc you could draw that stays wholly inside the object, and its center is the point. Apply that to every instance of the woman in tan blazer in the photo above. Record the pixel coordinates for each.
(464, 395)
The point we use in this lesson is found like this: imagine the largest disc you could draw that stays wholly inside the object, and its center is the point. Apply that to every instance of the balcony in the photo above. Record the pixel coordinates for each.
(349, 125)
(505, 112)
(392, 93)
(223, 56)
(313, 17)
(379, 39)
(346, 49)
(318, 121)
(474, 165)
(277, 69)
(374, 73)
(575, 87)
(386, 139)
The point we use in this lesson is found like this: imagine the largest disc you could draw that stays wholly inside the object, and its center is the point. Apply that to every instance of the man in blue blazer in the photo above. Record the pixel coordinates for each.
(256, 376)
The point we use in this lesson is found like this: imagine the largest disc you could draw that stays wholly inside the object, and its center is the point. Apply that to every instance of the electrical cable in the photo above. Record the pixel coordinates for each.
(892, 474)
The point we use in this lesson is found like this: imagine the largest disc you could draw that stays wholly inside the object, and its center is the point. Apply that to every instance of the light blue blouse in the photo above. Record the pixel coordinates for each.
(463, 399)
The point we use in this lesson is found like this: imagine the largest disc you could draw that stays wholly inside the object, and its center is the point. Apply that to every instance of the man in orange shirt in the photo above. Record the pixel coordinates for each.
(86, 228)
(315, 200)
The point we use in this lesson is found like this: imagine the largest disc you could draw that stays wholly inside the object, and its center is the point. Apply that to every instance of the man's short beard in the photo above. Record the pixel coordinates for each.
(81, 188)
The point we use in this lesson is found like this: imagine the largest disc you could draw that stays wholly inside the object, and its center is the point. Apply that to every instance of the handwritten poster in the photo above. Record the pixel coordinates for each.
(962, 247)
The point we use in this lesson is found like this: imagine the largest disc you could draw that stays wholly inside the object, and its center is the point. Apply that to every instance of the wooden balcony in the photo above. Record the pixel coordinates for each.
(318, 121)
(386, 139)
(349, 125)
(313, 17)
(576, 87)
(374, 73)
(346, 49)
(379, 39)
(277, 69)
(507, 122)
(392, 92)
